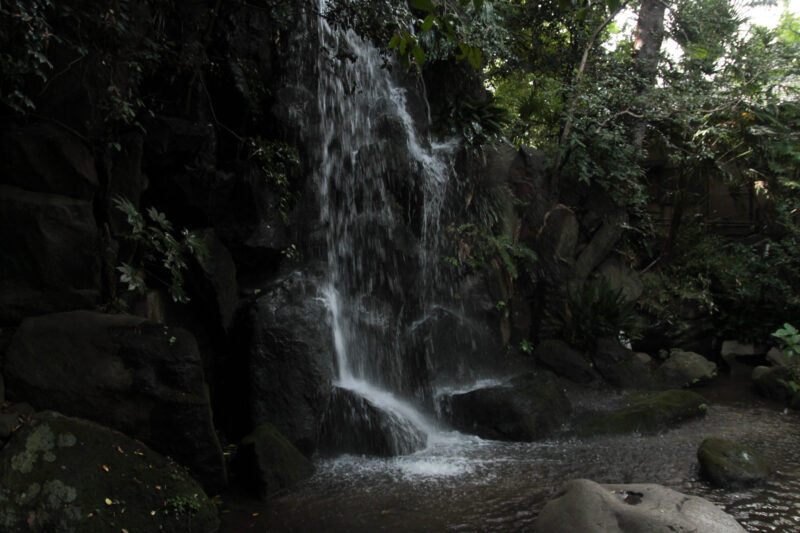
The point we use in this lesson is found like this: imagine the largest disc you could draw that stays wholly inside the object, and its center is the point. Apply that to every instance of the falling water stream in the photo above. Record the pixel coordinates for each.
(381, 273)
(372, 167)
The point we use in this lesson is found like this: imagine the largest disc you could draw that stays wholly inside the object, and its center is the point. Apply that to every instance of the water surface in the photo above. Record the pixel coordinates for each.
(462, 483)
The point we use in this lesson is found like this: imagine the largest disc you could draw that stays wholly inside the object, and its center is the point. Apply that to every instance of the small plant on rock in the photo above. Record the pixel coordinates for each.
(790, 337)
(157, 248)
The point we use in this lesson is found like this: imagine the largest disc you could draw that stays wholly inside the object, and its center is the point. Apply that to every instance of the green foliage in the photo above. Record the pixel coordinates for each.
(157, 249)
(279, 161)
(25, 35)
(747, 288)
(182, 504)
(790, 338)
(422, 31)
(478, 123)
(526, 346)
(478, 249)
(593, 311)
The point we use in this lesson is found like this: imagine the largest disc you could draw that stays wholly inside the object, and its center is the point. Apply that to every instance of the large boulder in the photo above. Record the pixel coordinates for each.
(620, 366)
(288, 353)
(774, 382)
(728, 464)
(48, 254)
(44, 158)
(588, 507)
(684, 369)
(566, 362)
(526, 408)
(65, 474)
(645, 413)
(621, 277)
(266, 463)
(356, 425)
(136, 376)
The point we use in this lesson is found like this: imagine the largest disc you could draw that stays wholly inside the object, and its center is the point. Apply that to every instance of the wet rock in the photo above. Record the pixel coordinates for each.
(526, 408)
(288, 348)
(48, 258)
(67, 474)
(619, 365)
(685, 369)
(585, 506)
(728, 464)
(353, 424)
(266, 463)
(773, 382)
(136, 376)
(559, 357)
(645, 413)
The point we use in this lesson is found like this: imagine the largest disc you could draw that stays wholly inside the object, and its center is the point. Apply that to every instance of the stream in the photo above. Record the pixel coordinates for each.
(462, 483)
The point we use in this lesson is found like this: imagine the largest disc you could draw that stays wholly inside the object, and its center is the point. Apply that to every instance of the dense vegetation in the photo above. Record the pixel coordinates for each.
(696, 97)
(647, 124)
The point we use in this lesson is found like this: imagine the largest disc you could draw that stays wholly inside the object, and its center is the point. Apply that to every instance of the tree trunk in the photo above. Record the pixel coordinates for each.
(646, 53)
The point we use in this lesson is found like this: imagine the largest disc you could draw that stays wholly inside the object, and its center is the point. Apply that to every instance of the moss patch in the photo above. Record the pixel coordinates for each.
(646, 413)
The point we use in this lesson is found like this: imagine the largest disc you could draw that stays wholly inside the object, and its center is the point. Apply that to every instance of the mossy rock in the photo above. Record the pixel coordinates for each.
(267, 463)
(68, 475)
(728, 464)
(646, 413)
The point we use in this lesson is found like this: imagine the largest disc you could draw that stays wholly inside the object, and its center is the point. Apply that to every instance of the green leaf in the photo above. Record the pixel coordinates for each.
(395, 41)
(475, 58)
(419, 55)
(427, 24)
(478, 5)
(423, 5)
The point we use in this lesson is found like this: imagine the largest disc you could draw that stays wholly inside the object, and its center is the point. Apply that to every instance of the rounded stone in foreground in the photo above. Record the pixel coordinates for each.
(728, 464)
(588, 507)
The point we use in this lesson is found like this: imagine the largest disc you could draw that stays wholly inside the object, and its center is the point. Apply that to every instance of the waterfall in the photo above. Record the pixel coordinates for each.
(380, 186)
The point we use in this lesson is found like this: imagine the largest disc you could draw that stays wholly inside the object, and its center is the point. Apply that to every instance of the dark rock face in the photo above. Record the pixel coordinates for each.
(43, 158)
(620, 366)
(266, 463)
(67, 474)
(559, 357)
(728, 464)
(585, 506)
(219, 290)
(48, 259)
(288, 353)
(354, 425)
(527, 408)
(556, 242)
(645, 413)
(684, 369)
(136, 376)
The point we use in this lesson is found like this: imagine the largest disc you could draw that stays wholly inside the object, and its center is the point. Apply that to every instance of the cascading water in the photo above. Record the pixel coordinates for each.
(380, 186)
